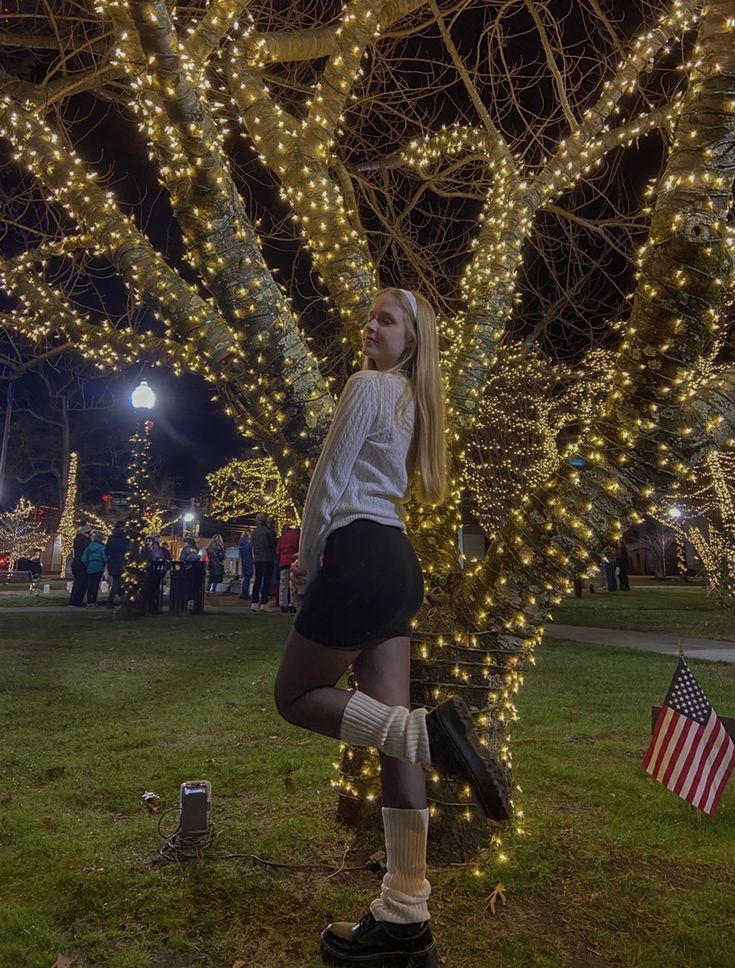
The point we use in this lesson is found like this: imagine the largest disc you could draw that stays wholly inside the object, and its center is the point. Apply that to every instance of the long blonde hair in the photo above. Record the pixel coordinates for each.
(420, 363)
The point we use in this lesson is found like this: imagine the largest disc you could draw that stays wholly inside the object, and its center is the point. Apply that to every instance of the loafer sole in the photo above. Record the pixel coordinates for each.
(423, 958)
(455, 749)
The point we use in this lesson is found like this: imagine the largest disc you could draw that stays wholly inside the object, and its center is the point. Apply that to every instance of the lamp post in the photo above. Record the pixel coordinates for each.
(143, 400)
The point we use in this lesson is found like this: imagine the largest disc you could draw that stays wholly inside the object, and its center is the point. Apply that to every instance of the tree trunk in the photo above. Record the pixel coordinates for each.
(476, 642)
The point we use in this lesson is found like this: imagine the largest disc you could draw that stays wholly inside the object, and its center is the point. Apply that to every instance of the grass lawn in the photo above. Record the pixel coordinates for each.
(683, 609)
(18, 595)
(614, 869)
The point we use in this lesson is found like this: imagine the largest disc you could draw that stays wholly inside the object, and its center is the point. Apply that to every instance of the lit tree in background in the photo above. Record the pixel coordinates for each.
(498, 184)
(704, 514)
(245, 486)
(67, 526)
(140, 506)
(20, 533)
(525, 412)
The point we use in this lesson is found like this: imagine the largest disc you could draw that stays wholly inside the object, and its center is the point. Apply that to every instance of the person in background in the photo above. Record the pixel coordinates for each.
(246, 563)
(94, 559)
(264, 553)
(608, 568)
(116, 549)
(215, 562)
(152, 553)
(35, 565)
(166, 555)
(154, 546)
(274, 587)
(189, 553)
(622, 562)
(192, 565)
(287, 550)
(78, 569)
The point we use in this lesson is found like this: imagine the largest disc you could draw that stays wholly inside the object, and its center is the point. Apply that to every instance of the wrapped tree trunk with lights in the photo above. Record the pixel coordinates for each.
(67, 522)
(457, 187)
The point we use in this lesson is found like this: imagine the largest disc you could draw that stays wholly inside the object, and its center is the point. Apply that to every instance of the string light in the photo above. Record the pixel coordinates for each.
(243, 336)
(67, 528)
(20, 532)
(246, 486)
(710, 495)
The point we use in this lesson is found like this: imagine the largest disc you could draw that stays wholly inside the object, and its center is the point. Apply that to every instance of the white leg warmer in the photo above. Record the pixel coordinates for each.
(405, 890)
(391, 729)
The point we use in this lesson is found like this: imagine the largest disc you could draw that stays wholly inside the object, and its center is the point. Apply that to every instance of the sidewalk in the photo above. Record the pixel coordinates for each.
(712, 650)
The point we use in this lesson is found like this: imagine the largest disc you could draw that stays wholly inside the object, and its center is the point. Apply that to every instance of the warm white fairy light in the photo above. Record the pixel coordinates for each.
(245, 340)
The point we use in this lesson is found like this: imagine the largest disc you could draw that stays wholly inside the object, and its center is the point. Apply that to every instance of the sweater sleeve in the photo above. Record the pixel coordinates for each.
(354, 417)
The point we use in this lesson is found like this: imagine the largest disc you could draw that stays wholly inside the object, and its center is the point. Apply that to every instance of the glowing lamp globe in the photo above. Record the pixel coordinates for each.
(142, 397)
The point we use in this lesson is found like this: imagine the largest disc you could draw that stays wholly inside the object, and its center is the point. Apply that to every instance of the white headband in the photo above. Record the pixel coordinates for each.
(412, 299)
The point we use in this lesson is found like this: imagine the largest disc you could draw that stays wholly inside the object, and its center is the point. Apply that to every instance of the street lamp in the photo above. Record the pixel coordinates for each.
(143, 397)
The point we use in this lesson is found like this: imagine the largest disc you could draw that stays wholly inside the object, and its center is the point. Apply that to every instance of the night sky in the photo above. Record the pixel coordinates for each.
(191, 436)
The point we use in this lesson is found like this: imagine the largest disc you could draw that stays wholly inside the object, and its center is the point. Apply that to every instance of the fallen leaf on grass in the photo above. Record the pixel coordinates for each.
(289, 785)
(239, 964)
(491, 900)
(63, 961)
(6, 797)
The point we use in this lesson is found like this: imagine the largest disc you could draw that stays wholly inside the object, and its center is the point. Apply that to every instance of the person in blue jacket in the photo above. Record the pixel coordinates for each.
(94, 559)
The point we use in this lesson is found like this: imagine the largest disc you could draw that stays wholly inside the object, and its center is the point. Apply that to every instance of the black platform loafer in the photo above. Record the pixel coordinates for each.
(456, 751)
(379, 944)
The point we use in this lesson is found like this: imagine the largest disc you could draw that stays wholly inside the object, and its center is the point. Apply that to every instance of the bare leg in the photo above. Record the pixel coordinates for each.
(305, 690)
(306, 695)
(383, 671)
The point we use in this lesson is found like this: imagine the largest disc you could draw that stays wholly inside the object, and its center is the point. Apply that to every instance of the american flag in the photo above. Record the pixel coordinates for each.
(691, 753)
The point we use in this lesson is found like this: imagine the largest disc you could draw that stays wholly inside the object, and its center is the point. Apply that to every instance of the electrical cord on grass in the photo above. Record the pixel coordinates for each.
(177, 848)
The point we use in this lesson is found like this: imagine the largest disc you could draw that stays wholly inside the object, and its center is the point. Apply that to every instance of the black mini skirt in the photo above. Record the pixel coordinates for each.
(369, 587)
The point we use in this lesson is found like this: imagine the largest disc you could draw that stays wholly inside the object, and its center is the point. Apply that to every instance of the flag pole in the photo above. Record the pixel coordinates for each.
(681, 649)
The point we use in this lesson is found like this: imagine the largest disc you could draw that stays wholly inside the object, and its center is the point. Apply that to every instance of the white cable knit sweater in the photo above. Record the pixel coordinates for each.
(362, 471)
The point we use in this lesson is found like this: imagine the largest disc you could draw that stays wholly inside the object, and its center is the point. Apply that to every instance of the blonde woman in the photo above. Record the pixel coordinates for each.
(361, 585)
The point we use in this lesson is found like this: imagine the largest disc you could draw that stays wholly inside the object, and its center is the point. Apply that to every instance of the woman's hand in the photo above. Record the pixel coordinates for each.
(299, 581)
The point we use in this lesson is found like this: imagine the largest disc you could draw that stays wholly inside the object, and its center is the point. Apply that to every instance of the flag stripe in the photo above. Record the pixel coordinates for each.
(679, 776)
(686, 766)
(655, 738)
(667, 725)
(714, 765)
(720, 781)
(699, 768)
(716, 772)
(679, 745)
